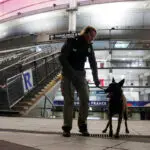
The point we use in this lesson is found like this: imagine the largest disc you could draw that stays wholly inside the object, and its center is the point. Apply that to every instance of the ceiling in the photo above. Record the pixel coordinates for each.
(123, 30)
(117, 15)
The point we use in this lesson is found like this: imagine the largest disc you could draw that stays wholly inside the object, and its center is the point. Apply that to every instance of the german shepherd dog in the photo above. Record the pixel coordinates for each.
(117, 105)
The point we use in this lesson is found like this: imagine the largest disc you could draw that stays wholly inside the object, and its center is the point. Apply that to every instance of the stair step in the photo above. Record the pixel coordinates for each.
(25, 103)
(37, 96)
(40, 93)
(23, 106)
(43, 90)
(33, 99)
(18, 108)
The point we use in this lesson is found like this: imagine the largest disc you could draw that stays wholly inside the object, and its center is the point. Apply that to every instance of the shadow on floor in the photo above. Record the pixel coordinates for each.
(5, 145)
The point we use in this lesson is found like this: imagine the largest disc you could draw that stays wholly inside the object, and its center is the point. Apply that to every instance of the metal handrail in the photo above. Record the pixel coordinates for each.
(49, 100)
(28, 62)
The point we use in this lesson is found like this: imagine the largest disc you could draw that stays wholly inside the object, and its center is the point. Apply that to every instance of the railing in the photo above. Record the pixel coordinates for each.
(43, 70)
(128, 83)
(26, 54)
(49, 97)
(44, 109)
(12, 69)
(112, 64)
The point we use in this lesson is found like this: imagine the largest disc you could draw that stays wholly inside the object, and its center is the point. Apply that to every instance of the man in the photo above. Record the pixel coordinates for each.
(72, 58)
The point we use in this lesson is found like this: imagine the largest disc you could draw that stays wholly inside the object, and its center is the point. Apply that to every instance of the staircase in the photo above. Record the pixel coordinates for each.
(26, 105)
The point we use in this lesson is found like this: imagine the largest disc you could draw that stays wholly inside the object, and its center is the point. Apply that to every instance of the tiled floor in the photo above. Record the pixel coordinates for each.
(44, 134)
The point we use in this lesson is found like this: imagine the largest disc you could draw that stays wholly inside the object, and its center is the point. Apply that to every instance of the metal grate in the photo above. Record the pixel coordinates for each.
(94, 135)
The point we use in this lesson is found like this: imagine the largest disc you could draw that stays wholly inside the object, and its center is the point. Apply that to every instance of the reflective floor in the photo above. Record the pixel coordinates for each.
(45, 134)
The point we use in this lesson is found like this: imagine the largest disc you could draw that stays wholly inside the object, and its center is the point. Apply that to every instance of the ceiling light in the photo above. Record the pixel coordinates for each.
(122, 44)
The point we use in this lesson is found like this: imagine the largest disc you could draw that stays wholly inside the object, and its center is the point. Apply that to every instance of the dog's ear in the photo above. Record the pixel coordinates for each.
(113, 80)
(121, 82)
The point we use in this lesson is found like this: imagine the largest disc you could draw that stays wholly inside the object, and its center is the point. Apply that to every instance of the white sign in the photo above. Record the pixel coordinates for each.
(27, 79)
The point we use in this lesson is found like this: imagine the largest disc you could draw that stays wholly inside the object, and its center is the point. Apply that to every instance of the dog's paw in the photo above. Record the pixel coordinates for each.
(127, 131)
(104, 131)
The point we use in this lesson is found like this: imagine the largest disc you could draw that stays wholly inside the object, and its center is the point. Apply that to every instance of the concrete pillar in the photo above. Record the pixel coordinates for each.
(72, 15)
(72, 3)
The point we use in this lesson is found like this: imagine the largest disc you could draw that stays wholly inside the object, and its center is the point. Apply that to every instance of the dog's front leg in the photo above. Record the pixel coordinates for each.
(110, 126)
(126, 126)
(104, 131)
(118, 127)
(126, 118)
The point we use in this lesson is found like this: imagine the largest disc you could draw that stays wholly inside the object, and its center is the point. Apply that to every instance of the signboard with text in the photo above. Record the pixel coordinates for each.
(27, 79)
(104, 104)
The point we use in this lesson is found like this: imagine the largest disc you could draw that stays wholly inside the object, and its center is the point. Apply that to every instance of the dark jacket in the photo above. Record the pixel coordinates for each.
(73, 56)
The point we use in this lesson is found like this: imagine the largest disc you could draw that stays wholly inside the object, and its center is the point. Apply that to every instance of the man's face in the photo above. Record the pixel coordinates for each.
(92, 35)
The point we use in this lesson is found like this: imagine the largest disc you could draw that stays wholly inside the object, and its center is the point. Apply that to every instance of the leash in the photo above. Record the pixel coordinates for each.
(101, 88)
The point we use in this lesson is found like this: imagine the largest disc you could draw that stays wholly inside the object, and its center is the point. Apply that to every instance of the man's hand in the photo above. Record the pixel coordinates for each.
(97, 83)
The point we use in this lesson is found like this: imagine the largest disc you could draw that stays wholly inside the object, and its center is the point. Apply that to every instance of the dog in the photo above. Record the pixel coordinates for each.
(117, 105)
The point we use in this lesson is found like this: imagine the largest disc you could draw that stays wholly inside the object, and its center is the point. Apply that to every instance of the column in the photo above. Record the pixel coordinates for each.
(72, 15)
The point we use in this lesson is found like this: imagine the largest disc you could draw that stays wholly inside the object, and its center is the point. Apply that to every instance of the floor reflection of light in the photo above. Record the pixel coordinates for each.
(114, 118)
(93, 118)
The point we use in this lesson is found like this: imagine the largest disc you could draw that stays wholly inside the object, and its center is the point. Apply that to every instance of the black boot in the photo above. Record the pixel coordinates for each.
(83, 130)
(66, 131)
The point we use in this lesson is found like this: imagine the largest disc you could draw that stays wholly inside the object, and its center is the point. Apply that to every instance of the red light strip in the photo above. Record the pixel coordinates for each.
(23, 7)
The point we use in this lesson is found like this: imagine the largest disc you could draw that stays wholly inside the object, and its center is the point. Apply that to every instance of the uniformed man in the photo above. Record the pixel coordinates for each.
(73, 56)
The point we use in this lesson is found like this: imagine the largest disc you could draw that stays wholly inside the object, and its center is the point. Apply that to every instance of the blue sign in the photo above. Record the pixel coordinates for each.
(100, 92)
(104, 104)
(76, 103)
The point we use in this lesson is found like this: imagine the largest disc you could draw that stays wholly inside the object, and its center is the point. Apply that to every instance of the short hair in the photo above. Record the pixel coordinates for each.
(87, 30)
